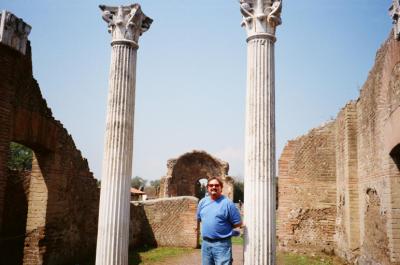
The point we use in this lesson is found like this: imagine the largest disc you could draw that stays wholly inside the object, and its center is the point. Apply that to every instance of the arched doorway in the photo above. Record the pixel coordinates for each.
(16, 204)
(185, 171)
(201, 188)
(24, 216)
(395, 154)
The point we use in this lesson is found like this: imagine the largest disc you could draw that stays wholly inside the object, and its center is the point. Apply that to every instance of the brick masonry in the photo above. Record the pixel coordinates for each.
(307, 191)
(184, 172)
(164, 222)
(358, 175)
(62, 197)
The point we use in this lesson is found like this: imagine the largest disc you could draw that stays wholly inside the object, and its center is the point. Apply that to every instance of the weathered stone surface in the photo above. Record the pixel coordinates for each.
(260, 19)
(184, 172)
(307, 191)
(126, 24)
(166, 222)
(62, 201)
(13, 31)
(394, 12)
(366, 151)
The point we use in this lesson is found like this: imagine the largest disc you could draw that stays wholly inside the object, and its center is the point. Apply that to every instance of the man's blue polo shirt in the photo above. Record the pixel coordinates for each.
(217, 217)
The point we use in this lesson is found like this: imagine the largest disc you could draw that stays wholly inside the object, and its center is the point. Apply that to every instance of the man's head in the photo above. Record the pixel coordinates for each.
(214, 187)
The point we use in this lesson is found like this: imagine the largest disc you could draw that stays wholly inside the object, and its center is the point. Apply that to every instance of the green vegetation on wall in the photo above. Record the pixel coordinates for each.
(20, 157)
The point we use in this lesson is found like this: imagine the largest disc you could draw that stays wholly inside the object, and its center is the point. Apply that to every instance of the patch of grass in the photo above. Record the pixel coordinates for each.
(150, 255)
(237, 240)
(285, 258)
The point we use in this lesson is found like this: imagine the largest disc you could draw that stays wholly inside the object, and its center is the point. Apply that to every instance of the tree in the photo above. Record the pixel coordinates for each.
(137, 182)
(20, 157)
(238, 190)
(155, 183)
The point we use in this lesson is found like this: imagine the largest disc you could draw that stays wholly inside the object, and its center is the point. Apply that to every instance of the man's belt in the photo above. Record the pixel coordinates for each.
(212, 240)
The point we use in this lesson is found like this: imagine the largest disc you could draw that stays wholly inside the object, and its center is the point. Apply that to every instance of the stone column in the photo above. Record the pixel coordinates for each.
(260, 19)
(13, 31)
(126, 24)
(394, 12)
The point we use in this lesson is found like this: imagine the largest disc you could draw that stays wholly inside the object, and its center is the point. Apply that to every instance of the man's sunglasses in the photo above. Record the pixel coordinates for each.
(214, 185)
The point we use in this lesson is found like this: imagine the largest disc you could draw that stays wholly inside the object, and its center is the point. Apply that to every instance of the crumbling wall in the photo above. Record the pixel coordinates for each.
(307, 191)
(61, 219)
(16, 208)
(376, 242)
(347, 236)
(184, 172)
(366, 150)
(164, 222)
(377, 110)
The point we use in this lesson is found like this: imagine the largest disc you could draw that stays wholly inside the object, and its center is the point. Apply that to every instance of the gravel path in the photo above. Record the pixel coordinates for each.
(195, 258)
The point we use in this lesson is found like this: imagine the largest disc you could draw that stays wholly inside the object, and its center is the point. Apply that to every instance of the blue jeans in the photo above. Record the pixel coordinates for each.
(216, 252)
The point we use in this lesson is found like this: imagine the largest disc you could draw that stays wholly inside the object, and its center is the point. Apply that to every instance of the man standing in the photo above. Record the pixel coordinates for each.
(218, 216)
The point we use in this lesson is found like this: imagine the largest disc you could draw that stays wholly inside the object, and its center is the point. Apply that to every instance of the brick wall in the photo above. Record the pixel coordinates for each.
(164, 222)
(347, 221)
(184, 172)
(307, 191)
(62, 206)
(16, 207)
(366, 140)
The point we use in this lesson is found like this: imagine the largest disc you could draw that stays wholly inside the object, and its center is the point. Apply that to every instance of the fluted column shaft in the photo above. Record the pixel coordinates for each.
(113, 231)
(260, 19)
(126, 24)
(259, 182)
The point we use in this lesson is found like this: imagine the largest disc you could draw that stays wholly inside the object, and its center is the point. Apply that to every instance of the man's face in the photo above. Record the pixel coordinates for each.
(214, 188)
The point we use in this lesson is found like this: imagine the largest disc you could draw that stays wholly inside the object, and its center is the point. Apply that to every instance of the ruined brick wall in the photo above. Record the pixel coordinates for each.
(164, 222)
(63, 195)
(347, 220)
(366, 150)
(379, 185)
(184, 172)
(307, 191)
(16, 208)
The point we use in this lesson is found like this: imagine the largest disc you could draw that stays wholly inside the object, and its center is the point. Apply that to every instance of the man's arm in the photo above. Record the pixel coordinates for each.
(238, 225)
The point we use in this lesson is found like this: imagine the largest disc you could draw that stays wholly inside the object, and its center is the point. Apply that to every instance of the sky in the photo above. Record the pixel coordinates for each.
(191, 72)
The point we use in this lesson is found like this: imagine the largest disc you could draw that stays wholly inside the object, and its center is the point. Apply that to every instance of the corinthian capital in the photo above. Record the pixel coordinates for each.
(394, 12)
(13, 31)
(126, 23)
(261, 17)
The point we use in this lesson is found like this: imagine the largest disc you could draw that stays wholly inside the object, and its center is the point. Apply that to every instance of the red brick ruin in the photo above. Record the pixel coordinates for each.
(49, 216)
(184, 173)
(339, 185)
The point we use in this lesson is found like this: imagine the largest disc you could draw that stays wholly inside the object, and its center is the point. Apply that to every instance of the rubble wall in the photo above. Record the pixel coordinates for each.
(307, 191)
(366, 176)
(166, 222)
(62, 206)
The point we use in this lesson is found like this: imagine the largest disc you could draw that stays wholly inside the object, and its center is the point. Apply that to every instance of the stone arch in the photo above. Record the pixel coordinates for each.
(184, 172)
(62, 195)
(395, 154)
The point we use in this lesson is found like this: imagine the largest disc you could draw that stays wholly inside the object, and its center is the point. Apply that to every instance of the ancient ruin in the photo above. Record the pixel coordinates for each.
(126, 24)
(184, 173)
(164, 222)
(339, 185)
(260, 19)
(47, 214)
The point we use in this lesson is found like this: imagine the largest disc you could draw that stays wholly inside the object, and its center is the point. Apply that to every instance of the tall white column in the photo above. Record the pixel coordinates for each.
(394, 12)
(126, 24)
(260, 19)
